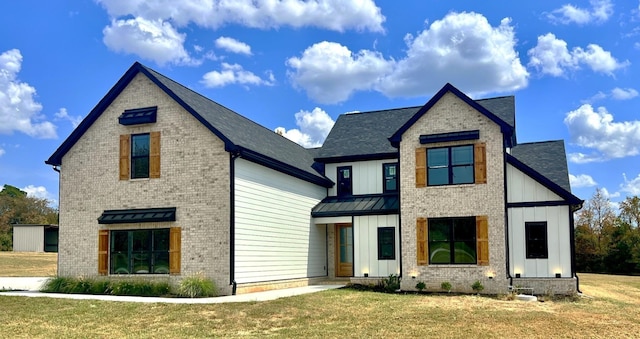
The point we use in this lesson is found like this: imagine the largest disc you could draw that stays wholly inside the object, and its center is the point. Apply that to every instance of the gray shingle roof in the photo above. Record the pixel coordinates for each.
(547, 158)
(367, 133)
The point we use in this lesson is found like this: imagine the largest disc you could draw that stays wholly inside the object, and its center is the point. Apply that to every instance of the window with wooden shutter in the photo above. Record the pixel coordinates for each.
(480, 163)
(103, 252)
(482, 239)
(422, 248)
(154, 155)
(174, 250)
(421, 167)
(124, 156)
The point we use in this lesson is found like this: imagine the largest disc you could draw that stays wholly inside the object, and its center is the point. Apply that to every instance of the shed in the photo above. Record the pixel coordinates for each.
(35, 238)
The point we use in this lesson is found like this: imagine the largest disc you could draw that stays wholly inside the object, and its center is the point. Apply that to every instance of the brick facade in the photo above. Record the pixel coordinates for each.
(194, 179)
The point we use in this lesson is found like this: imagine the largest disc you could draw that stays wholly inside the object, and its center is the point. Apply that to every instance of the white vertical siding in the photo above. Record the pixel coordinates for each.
(366, 177)
(274, 236)
(558, 241)
(28, 238)
(365, 247)
(523, 188)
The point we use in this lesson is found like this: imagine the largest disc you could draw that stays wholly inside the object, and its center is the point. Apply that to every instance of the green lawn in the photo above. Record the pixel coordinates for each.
(28, 264)
(611, 310)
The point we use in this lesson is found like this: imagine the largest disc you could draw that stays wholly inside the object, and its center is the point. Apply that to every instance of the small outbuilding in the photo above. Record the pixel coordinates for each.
(35, 238)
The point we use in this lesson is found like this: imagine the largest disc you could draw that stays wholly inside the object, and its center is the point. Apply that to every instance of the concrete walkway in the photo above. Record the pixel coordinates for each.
(29, 288)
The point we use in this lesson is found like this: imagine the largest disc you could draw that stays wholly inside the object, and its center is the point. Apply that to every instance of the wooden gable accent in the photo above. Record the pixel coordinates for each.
(482, 239)
(154, 155)
(421, 167)
(103, 252)
(175, 244)
(125, 149)
(422, 245)
(480, 162)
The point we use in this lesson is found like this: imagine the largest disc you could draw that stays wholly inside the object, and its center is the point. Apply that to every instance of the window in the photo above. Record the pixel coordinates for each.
(450, 165)
(140, 251)
(536, 239)
(386, 243)
(452, 241)
(140, 156)
(344, 181)
(390, 177)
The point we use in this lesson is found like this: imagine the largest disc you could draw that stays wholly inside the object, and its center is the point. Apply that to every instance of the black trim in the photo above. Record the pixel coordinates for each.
(232, 220)
(538, 204)
(506, 215)
(138, 116)
(572, 244)
(385, 229)
(505, 128)
(130, 216)
(357, 157)
(384, 177)
(453, 136)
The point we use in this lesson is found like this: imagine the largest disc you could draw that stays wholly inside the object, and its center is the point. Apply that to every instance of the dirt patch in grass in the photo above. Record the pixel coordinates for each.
(28, 264)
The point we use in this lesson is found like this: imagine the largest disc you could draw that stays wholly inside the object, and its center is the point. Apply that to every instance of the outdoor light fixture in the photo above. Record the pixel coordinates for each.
(490, 275)
(366, 275)
(558, 275)
(517, 275)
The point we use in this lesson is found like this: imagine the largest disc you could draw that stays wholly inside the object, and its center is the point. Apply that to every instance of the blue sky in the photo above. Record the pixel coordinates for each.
(296, 65)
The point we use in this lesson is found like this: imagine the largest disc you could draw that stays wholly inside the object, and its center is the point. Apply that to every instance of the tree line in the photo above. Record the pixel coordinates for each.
(16, 207)
(608, 241)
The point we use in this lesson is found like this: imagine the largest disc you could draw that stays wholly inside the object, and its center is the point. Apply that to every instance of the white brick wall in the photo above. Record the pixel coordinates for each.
(194, 179)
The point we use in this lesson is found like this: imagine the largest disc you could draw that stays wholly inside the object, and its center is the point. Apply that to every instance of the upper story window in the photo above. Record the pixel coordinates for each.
(390, 173)
(536, 240)
(344, 181)
(140, 156)
(450, 165)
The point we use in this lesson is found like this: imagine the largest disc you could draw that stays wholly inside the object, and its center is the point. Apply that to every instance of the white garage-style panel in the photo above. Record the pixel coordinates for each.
(367, 176)
(275, 238)
(366, 246)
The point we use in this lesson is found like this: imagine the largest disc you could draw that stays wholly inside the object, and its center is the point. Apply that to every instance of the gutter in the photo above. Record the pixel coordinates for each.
(506, 218)
(232, 227)
(572, 234)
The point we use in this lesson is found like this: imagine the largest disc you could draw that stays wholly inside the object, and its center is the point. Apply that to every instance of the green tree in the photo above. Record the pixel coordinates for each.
(18, 208)
(595, 224)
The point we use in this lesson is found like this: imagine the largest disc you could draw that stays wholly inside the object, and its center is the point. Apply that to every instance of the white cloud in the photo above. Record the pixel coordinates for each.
(40, 192)
(581, 158)
(607, 195)
(623, 93)
(233, 45)
(313, 127)
(235, 74)
(2, 152)
(631, 187)
(597, 130)
(62, 114)
(19, 111)
(581, 180)
(462, 48)
(330, 72)
(551, 56)
(337, 15)
(600, 11)
(155, 40)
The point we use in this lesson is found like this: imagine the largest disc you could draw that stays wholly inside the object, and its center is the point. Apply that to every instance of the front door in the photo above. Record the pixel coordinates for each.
(344, 250)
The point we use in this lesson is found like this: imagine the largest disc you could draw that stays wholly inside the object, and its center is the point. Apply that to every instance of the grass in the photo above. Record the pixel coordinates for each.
(611, 310)
(28, 264)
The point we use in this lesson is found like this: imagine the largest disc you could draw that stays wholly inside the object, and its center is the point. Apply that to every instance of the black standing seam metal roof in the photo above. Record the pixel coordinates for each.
(376, 204)
(138, 215)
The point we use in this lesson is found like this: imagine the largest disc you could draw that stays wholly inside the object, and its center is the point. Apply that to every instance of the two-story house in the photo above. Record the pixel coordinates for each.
(160, 182)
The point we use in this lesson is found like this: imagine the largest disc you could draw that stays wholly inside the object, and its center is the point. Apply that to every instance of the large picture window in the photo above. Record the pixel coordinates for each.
(386, 243)
(140, 251)
(536, 240)
(450, 165)
(452, 241)
(390, 172)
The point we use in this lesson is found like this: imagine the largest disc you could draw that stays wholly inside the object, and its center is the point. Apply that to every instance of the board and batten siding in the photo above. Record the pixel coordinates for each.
(28, 238)
(366, 176)
(522, 188)
(275, 238)
(365, 246)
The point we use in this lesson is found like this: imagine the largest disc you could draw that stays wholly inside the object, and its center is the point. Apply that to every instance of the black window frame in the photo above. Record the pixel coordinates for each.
(386, 178)
(154, 256)
(450, 167)
(536, 240)
(384, 241)
(344, 186)
(454, 239)
(140, 157)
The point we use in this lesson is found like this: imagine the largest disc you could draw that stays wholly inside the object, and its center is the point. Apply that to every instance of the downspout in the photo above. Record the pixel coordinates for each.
(506, 216)
(57, 169)
(398, 185)
(232, 233)
(573, 247)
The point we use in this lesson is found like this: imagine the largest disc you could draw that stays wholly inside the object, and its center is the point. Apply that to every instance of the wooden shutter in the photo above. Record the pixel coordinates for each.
(154, 155)
(482, 239)
(174, 250)
(103, 252)
(480, 163)
(125, 148)
(422, 246)
(421, 167)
